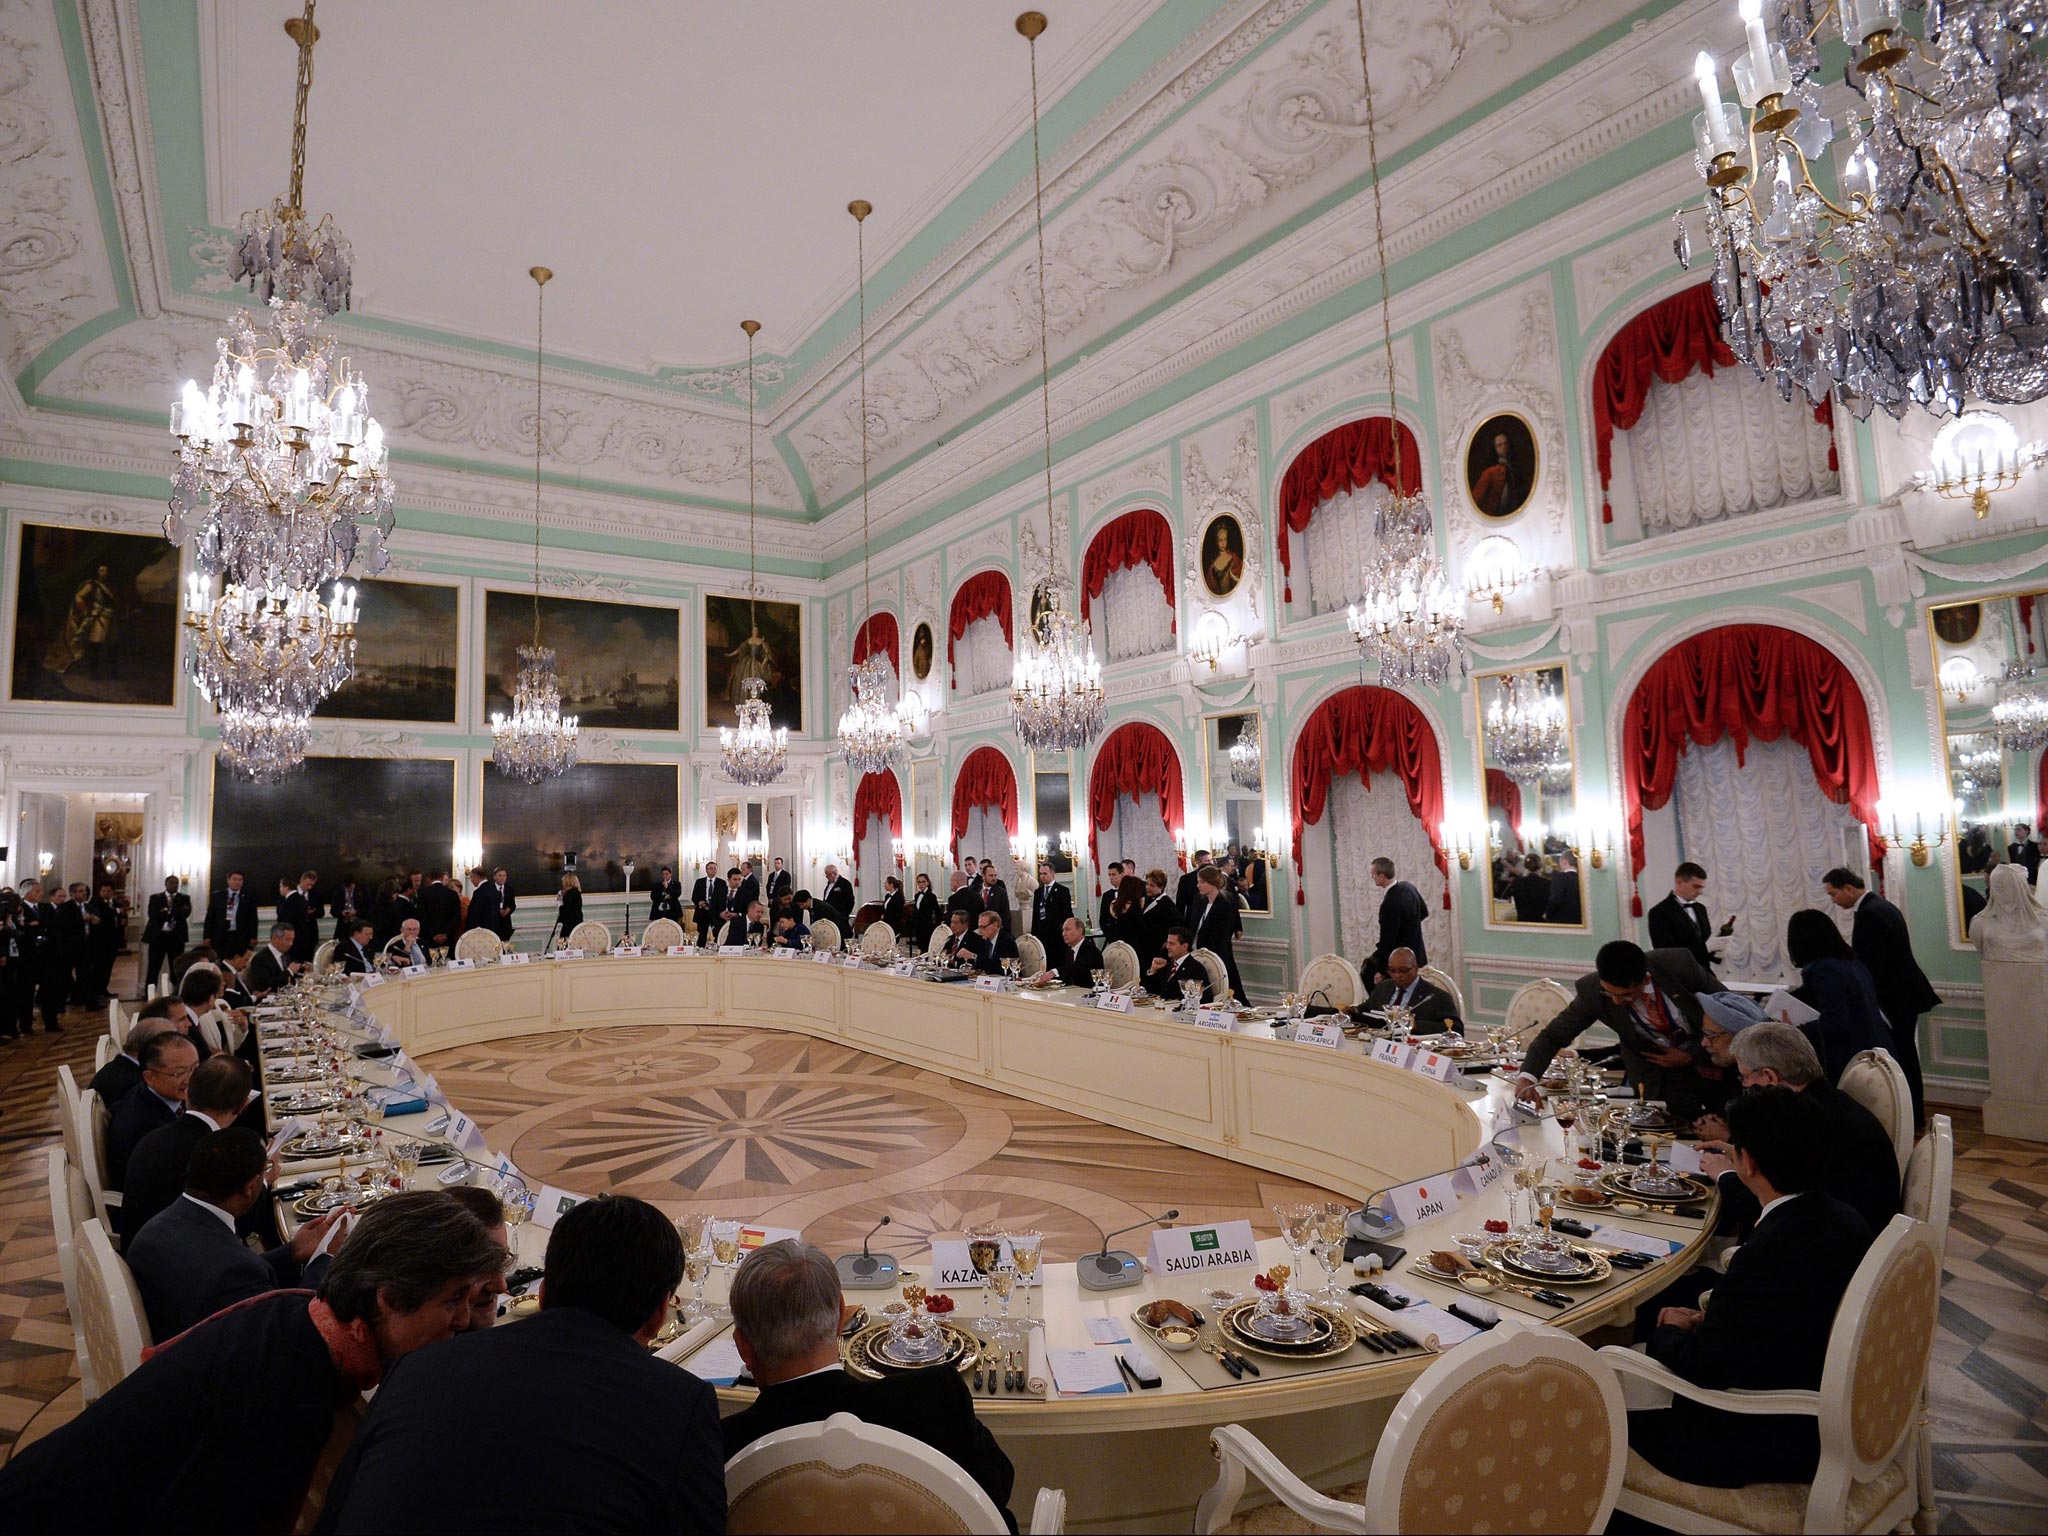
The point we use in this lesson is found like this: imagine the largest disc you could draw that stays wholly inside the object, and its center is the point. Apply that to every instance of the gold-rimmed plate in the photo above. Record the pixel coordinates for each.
(1496, 1259)
(1619, 1182)
(862, 1351)
(1337, 1334)
(323, 1141)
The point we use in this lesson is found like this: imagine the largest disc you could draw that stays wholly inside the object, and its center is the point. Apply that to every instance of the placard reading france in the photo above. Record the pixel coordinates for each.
(1186, 1250)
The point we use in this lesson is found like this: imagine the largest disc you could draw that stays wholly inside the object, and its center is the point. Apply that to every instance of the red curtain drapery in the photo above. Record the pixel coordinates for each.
(979, 597)
(878, 633)
(1343, 459)
(1364, 730)
(1134, 759)
(1507, 794)
(1744, 681)
(1141, 537)
(2041, 796)
(985, 778)
(878, 795)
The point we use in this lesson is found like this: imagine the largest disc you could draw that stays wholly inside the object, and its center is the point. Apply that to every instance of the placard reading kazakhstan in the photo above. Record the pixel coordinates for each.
(1186, 1250)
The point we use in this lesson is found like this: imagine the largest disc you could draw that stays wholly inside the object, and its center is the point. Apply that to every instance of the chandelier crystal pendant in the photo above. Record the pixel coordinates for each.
(871, 730)
(1056, 695)
(536, 741)
(2020, 714)
(1923, 279)
(1247, 761)
(1410, 619)
(753, 753)
(263, 745)
(1526, 728)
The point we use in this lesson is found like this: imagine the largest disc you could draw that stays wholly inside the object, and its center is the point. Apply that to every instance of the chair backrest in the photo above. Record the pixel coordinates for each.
(851, 1476)
(323, 957)
(1031, 955)
(1878, 1083)
(1878, 1352)
(480, 945)
(1333, 980)
(1218, 973)
(941, 935)
(93, 1120)
(69, 1200)
(662, 933)
(117, 1023)
(1931, 1179)
(102, 1053)
(1535, 1004)
(878, 940)
(1440, 978)
(116, 1328)
(824, 934)
(69, 1119)
(590, 936)
(1515, 1421)
(1121, 962)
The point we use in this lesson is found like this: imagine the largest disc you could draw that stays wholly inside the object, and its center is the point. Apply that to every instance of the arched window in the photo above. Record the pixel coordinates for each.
(978, 634)
(984, 807)
(1127, 585)
(1135, 799)
(877, 828)
(1329, 495)
(877, 635)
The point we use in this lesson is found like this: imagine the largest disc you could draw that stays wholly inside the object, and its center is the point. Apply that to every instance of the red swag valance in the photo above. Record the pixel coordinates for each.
(1507, 794)
(1343, 459)
(878, 795)
(1364, 730)
(1134, 759)
(985, 778)
(979, 597)
(1142, 537)
(1744, 681)
(877, 634)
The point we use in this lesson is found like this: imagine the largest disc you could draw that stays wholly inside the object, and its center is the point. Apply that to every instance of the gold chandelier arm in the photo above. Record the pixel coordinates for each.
(305, 34)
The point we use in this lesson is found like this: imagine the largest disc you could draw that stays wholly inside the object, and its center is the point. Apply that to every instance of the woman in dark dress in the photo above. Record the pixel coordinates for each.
(1127, 914)
(1532, 891)
(924, 912)
(569, 910)
(1217, 923)
(894, 911)
(1833, 981)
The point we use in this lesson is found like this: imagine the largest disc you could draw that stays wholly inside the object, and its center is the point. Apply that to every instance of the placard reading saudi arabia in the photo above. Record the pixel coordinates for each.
(1186, 1250)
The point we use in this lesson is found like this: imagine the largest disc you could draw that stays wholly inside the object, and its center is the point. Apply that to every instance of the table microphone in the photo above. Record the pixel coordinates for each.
(1112, 1269)
(867, 1271)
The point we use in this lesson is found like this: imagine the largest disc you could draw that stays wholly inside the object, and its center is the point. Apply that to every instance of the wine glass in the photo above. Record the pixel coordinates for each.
(1025, 1249)
(1330, 1223)
(405, 1159)
(1100, 977)
(984, 1247)
(1297, 1227)
(1546, 1204)
(694, 1227)
(1002, 1280)
(1566, 1111)
(1528, 1178)
(725, 1250)
(1191, 994)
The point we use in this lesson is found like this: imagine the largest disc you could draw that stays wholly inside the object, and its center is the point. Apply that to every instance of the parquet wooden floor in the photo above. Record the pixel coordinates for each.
(805, 1133)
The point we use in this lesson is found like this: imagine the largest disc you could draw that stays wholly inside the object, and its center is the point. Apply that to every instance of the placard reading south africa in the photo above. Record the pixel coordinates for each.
(1188, 1250)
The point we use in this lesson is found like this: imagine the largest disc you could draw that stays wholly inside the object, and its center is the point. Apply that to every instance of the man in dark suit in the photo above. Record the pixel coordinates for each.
(1217, 923)
(274, 965)
(167, 929)
(1187, 895)
(103, 942)
(168, 1061)
(1879, 939)
(964, 897)
(1680, 920)
(709, 899)
(1402, 910)
(123, 1072)
(786, 1306)
(352, 954)
(404, 903)
(491, 906)
(1080, 963)
(961, 946)
(1112, 877)
(1404, 987)
(991, 944)
(1176, 964)
(629, 1442)
(67, 946)
(666, 899)
(780, 883)
(1652, 1003)
(349, 903)
(1767, 1328)
(838, 899)
(302, 910)
(1567, 903)
(2024, 851)
(995, 896)
(1051, 905)
(217, 1093)
(440, 911)
(747, 887)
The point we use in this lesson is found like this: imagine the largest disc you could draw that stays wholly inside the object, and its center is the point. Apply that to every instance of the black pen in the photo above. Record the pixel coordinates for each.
(1127, 1373)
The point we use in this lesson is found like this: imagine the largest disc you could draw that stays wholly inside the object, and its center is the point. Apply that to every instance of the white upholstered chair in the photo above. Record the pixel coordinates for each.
(1878, 1083)
(1929, 1189)
(662, 933)
(878, 941)
(825, 934)
(938, 940)
(1521, 1428)
(1121, 962)
(1030, 955)
(1332, 981)
(845, 1475)
(1219, 975)
(323, 957)
(70, 1207)
(480, 945)
(1440, 978)
(1868, 1405)
(115, 1326)
(93, 1120)
(70, 1119)
(590, 936)
(1535, 1004)
(117, 1023)
(102, 1053)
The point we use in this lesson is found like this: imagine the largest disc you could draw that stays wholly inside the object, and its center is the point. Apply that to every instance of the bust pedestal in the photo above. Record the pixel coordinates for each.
(2016, 1031)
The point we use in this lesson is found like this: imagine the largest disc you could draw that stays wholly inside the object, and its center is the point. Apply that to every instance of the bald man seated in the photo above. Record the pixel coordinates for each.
(1404, 987)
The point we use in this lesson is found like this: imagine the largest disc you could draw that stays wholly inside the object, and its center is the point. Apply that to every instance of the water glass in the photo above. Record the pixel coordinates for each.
(1026, 1248)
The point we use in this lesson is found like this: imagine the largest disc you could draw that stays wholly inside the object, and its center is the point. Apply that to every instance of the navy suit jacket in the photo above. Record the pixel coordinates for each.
(188, 1265)
(140, 1113)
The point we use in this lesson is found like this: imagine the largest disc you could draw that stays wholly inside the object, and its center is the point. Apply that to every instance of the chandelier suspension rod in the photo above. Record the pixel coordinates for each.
(860, 208)
(753, 621)
(540, 276)
(305, 34)
(1379, 239)
(1031, 24)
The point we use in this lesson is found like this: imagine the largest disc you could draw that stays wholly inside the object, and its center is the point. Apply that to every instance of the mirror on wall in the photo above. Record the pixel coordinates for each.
(1531, 795)
(927, 811)
(1052, 806)
(1234, 773)
(1991, 666)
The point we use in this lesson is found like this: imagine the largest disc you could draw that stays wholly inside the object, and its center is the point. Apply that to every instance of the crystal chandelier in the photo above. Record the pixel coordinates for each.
(871, 730)
(1411, 620)
(269, 653)
(1056, 695)
(1979, 762)
(536, 740)
(1924, 279)
(1526, 728)
(2021, 712)
(264, 745)
(1247, 765)
(1556, 778)
(754, 753)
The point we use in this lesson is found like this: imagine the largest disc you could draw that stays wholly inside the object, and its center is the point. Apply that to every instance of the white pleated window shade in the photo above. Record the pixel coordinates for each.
(1132, 617)
(1138, 833)
(981, 658)
(1338, 545)
(986, 838)
(1369, 823)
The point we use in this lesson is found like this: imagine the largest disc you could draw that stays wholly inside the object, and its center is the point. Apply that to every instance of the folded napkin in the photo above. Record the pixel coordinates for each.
(691, 1339)
(1374, 1313)
(1037, 1374)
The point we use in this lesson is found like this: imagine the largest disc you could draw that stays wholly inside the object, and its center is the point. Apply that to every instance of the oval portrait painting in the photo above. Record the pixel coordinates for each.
(1222, 555)
(921, 652)
(1500, 465)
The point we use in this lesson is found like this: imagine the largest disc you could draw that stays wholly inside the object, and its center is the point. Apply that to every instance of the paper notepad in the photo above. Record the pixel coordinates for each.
(1085, 1372)
(717, 1362)
(1634, 1242)
(1107, 1330)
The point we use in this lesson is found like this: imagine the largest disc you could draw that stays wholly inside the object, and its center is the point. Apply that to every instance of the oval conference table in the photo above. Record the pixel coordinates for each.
(1332, 1117)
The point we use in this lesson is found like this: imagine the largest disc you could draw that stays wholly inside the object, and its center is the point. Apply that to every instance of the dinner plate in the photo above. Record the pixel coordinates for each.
(1592, 1199)
(860, 1351)
(1598, 1269)
(1340, 1336)
(1684, 1188)
(1547, 1264)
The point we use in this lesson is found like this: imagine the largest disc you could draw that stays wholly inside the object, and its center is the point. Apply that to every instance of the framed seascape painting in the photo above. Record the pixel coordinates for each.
(604, 813)
(620, 664)
(406, 644)
(368, 818)
(95, 617)
(738, 644)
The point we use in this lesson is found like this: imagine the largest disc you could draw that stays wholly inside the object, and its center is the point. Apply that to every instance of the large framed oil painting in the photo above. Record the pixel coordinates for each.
(604, 813)
(620, 664)
(759, 639)
(366, 818)
(1501, 465)
(95, 617)
(406, 644)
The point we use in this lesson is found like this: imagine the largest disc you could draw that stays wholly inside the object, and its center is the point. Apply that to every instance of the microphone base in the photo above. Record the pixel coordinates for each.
(867, 1272)
(1112, 1271)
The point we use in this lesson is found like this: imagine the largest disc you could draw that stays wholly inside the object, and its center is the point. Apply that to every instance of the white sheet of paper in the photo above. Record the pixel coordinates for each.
(1427, 1317)
(1683, 1156)
(1085, 1372)
(1787, 1009)
(1107, 1330)
(717, 1362)
(1634, 1242)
